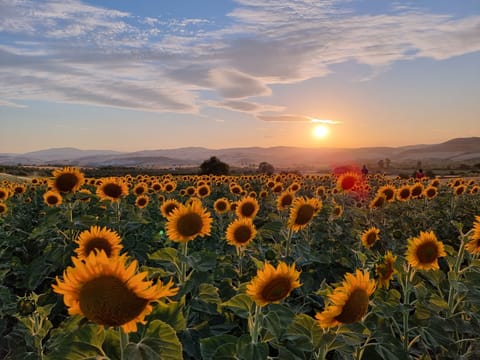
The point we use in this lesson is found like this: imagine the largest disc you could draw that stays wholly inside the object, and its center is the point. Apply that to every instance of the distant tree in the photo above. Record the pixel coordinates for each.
(387, 163)
(381, 164)
(266, 168)
(214, 166)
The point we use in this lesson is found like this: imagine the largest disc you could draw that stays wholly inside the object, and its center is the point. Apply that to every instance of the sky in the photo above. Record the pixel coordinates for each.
(131, 75)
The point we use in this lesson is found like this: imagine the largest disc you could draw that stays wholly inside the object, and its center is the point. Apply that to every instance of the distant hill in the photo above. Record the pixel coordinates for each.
(455, 150)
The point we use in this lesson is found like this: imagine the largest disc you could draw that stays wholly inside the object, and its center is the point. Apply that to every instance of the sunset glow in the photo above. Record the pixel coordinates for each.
(321, 131)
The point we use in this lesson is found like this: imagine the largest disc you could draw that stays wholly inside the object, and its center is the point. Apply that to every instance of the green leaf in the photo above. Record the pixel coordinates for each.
(160, 341)
(171, 313)
(305, 333)
(277, 319)
(240, 305)
(203, 261)
(246, 350)
(218, 347)
(209, 294)
(167, 255)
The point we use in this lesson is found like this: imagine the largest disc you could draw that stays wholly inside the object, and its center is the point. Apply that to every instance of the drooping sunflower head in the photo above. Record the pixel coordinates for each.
(4, 193)
(302, 212)
(247, 207)
(241, 232)
(185, 223)
(404, 193)
(388, 191)
(112, 189)
(424, 251)
(370, 237)
(378, 201)
(349, 181)
(473, 245)
(348, 302)
(52, 198)
(110, 292)
(285, 199)
(96, 239)
(3, 208)
(384, 270)
(271, 285)
(142, 201)
(67, 180)
(221, 206)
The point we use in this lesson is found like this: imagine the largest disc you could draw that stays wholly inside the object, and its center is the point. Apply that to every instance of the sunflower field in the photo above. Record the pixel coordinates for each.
(239, 267)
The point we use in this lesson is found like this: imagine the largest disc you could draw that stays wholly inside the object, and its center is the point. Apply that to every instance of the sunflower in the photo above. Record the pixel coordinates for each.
(3, 208)
(404, 193)
(378, 201)
(423, 251)
(235, 189)
(203, 191)
(430, 192)
(19, 189)
(416, 190)
(170, 186)
(271, 285)
(109, 292)
(295, 186)
(185, 223)
(285, 199)
(140, 189)
(112, 189)
(96, 239)
(4, 193)
(302, 212)
(52, 198)
(474, 190)
(247, 207)
(349, 302)
(435, 182)
(241, 232)
(221, 205)
(370, 237)
(157, 186)
(388, 191)
(168, 206)
(349, 181)
(385, 270)
(67, 180)
(142, 201)
(459, 190)
(473, 246)
(337, 210)
(320, 191)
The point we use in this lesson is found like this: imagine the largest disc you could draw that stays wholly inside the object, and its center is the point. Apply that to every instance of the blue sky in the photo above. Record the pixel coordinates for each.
(131, 75)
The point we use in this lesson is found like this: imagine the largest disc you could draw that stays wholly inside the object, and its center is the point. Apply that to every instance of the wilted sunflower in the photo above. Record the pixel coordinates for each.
(185, 223)
(4, 193)
(370, 237)
(52, 198)
(430, 192)
(142, 201)
(378, 201)
(349, 181)
(247, 207)
(423, 251)
(349, 301)
(404, 193)
(67, 180)
(3, 208)
(96, 239)
(271, 285)
(416, 190)
(302, 212)
(241, 232)
(388, 191)
(385, 270)
(473, 246)
(112, 189)
(221, 206)
(285, 199)
(109, 292)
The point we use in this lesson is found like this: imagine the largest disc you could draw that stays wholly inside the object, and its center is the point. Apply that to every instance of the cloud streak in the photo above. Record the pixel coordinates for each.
(68, 51)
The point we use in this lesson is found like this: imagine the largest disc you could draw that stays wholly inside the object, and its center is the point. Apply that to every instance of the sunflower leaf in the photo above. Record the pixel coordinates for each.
(240, 305)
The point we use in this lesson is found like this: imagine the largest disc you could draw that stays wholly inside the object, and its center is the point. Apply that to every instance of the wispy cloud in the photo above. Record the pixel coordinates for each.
(68, 51)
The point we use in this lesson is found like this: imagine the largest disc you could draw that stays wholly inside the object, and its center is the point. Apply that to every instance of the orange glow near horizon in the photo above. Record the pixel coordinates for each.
(321, 131)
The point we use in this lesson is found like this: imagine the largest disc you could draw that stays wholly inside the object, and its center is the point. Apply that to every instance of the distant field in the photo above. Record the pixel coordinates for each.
(13, 178)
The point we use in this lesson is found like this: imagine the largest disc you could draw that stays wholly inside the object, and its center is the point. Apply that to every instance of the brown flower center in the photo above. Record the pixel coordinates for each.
(98, 243)
(242, 234)
(221, 206)
(247, 209)
(52, 200)
(371, 238)
(389, 193)
(189, 224)
(304, 214)
(142, 202)
(66, 182)
(355, 307)
(107, 301)
(427, 253)
(416, 191)
(203, 191)
(286, 200)
(112, 190)
(276, 289)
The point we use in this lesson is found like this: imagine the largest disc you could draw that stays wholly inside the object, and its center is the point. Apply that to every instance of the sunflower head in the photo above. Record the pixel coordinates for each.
(302, 212)
(473, 245)
(241, 232)
(348, 302)
(459, 190)
(3, 208)
(384, 270)
(110, 292)
(285, 199)
(185, 223)
(404, 193)
(112, 189)
(97, 239)
(67, 180)
(430, 192)
(4, 193)
(424, 251)
(416, 190)
(52, 198)
(142, 201)
(349, 181)
(370, 237)
(271, 285)
(203, 190)
(247, 207)
(337, 210)
(378, 201)
(221, 206)
(388, 191)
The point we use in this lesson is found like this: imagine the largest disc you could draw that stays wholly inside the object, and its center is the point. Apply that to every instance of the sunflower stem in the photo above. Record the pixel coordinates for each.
(183, 269)
(255, 328)
(288, 242)
(123, 342)
(240, 251)
(455, 274)
(406, 303)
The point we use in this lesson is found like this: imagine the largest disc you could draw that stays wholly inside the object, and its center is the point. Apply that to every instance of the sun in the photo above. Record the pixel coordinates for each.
(321, 131)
